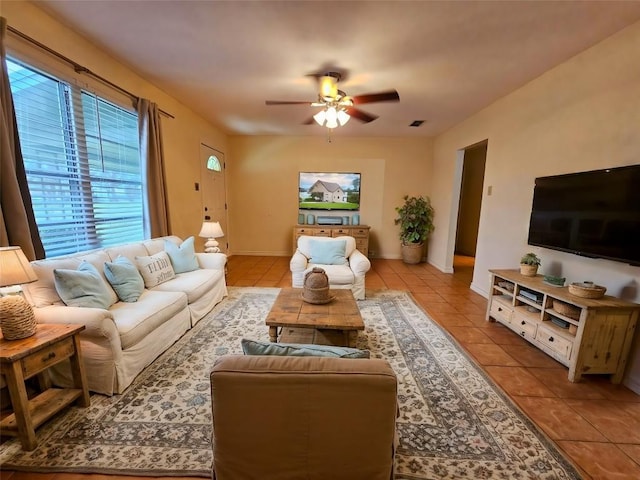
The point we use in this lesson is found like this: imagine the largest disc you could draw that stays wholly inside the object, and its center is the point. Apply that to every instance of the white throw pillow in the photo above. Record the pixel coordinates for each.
(155, 269)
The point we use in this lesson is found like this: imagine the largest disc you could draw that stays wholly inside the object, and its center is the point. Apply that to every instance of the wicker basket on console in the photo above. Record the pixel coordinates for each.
(587, 290)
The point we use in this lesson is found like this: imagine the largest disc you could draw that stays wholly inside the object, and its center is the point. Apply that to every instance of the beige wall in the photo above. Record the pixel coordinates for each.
(262, 178)
(181, 135)
(581, 115)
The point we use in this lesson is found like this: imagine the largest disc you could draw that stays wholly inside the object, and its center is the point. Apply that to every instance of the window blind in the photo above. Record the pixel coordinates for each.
(82, 161)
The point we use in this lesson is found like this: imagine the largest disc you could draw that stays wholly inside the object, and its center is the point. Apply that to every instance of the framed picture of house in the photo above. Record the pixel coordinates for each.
(329, 191)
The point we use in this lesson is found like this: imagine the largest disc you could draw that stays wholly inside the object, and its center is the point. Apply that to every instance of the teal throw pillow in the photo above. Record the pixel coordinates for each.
(83, 287)
(125, 279)
(183, 257)
(253, 347)
(325, 252)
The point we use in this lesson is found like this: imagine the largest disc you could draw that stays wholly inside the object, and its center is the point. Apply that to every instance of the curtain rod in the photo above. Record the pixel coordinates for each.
(77, 67)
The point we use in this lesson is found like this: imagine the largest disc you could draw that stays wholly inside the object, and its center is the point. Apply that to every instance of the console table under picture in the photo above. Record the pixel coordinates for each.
(359, 232)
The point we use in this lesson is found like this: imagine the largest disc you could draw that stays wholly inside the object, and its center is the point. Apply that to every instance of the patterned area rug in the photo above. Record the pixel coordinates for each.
(454, 423)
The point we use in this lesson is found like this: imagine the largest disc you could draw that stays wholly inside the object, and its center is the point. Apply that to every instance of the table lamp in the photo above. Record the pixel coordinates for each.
(16, 315)
(211, 231)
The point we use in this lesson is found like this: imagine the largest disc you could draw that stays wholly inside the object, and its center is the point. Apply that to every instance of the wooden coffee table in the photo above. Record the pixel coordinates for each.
(333, 323)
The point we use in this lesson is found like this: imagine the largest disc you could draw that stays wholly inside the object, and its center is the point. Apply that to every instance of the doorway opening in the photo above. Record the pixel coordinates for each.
(469, 206)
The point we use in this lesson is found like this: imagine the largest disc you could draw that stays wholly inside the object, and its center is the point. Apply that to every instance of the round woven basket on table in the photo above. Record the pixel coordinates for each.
(16, 318)
(587, 290)
(316, 287)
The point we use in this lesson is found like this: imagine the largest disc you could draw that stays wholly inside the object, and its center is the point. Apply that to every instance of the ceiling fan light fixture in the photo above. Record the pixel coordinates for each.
(332, 118)
(320, 117)
(336, 107)
(343, 117)
(328, 87)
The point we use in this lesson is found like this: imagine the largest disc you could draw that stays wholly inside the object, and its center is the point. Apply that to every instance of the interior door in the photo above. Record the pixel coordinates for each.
(214, 197)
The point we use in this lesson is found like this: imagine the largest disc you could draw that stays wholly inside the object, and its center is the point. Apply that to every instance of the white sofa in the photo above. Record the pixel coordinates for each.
(350, 274)
(119, 342)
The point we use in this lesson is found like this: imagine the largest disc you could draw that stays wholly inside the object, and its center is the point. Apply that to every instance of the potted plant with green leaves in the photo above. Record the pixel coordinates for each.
(529, 264)
(415, 218)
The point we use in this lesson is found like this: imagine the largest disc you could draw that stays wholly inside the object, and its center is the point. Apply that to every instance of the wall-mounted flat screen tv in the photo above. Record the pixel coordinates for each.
(329, 191)
(594, 214)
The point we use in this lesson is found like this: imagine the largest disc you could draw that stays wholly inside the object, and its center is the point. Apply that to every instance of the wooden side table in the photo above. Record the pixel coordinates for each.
(22, 359)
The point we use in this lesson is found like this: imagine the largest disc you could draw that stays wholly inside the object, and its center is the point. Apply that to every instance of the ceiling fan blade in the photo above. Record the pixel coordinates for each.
(360, 115)
(309, 121)
(284, 102)
(388, 96)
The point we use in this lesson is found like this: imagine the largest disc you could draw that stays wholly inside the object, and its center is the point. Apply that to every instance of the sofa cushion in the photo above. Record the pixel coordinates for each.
(195, 284)
(129, 250)
(328, 253)
(156, 245)
(137, 320)
(337, 274)
(155, 269)
(42, 293)
(125, 279)
(254, 347)
(83, 287)
(183, 257)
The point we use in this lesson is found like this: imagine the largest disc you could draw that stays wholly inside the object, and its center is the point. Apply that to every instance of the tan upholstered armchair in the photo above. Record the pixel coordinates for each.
(317, 418)
(345, 265)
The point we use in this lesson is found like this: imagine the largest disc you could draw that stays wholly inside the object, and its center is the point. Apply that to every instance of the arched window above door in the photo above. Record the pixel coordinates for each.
(214, 164)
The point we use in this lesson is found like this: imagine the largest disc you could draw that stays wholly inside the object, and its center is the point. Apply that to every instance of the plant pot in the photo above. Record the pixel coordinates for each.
(528, 270)
(412, 252)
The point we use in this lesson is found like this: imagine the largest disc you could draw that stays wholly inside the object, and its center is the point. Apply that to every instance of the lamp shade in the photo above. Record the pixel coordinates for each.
(343, 117)
(15, 269)
(211, 230)
(320, 117)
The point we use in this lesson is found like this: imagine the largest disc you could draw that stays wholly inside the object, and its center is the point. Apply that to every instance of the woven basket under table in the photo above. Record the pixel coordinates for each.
(566, 309)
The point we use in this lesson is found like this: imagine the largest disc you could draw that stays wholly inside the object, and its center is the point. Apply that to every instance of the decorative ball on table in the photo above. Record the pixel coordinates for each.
(16, 315)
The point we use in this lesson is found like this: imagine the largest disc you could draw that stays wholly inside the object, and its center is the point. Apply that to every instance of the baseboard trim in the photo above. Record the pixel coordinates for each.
(632, 384)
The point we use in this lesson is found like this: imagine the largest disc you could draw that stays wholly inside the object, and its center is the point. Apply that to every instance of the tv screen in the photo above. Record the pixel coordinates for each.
(594, 214)
(329, 191)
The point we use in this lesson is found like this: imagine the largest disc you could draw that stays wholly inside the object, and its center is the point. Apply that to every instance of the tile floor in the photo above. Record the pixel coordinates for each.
(596, 424)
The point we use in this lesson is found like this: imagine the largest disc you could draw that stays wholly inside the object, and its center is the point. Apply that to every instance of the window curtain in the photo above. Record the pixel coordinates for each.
(155, 197)
(17, 220)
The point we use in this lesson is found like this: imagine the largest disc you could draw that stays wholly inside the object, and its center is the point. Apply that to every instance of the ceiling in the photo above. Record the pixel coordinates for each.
(446, 59)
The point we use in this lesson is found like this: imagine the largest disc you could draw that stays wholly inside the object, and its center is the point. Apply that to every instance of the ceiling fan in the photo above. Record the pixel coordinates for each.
(337, 106)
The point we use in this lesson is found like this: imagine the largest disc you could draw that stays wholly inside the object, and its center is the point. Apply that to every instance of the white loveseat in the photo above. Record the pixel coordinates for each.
(346, 269)
(119, 342)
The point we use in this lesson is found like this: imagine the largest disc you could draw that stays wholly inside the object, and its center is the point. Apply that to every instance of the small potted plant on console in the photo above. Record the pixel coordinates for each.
(529, 264)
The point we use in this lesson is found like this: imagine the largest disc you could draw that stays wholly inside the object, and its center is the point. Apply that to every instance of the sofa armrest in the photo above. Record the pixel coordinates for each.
(359, 263)
(215, 261)
(298, 262)
(98, 322)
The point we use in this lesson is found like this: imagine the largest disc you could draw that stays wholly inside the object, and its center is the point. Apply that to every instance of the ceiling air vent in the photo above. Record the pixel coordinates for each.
(416, 123)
